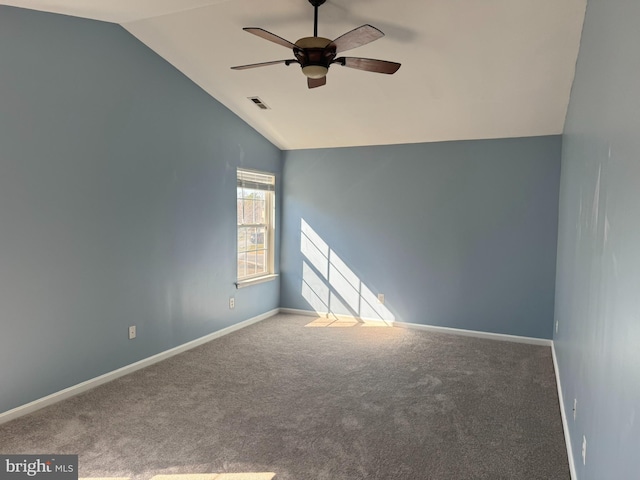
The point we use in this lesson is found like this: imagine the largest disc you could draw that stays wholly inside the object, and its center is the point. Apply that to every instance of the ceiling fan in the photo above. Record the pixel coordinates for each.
(315, 54)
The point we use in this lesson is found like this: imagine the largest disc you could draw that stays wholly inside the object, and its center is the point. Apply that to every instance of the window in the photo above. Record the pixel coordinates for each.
(256, 220)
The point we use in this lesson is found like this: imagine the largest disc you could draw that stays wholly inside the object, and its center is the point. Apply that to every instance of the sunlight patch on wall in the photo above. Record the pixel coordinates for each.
(314, 290)
(315, 250)
(333, 290)
(343, 280)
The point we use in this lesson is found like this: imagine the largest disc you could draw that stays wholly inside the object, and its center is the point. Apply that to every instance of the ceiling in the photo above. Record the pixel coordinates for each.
(471, 69)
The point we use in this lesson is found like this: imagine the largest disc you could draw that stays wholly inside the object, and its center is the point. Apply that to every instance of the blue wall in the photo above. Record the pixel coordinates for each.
(598, 281)
(117, 204)
(459, 234)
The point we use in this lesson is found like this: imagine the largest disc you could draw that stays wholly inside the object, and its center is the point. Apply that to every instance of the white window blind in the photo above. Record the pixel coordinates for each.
(256, 180)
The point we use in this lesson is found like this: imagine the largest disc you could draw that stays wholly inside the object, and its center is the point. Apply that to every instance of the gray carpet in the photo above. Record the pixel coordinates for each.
(317, 403)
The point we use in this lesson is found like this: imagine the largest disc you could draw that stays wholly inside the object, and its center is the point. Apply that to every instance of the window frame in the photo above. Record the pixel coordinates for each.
(250, 179)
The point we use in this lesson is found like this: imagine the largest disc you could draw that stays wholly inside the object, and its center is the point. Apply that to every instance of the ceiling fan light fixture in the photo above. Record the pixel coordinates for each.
(315, 71)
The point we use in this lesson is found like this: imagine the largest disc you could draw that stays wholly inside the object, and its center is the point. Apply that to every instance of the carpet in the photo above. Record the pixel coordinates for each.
(318, 404)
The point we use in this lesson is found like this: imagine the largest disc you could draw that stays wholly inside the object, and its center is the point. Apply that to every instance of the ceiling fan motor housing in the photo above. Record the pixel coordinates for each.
(314, 54)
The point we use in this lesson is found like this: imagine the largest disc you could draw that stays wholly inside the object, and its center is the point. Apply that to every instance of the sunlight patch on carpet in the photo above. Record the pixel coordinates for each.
(344, 322)
(104, 478)
(218, 476)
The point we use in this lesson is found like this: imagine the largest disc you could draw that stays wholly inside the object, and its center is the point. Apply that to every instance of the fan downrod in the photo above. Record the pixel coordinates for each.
(316, 4)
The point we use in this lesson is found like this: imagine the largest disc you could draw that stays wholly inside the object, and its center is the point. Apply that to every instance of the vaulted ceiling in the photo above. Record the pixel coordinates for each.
(471, 69)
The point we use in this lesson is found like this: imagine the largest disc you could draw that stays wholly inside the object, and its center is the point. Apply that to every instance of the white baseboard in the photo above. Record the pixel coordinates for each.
(306, 313)
(454, 331)
(474, 333)
(563, 414)
(107, 377)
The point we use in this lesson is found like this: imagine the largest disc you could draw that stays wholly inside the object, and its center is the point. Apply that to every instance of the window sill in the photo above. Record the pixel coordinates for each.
(254, 281)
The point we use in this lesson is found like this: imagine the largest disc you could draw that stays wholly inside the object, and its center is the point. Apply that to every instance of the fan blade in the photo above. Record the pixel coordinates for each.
(357, 37)
(316, 82)
(368, 64)
(261, 32)
(263, 64)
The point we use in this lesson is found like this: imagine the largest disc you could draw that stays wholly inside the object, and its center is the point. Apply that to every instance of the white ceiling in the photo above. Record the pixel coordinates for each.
(471, 69)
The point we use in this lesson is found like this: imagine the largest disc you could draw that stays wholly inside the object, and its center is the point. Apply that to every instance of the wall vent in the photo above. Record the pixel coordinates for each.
(259, 103)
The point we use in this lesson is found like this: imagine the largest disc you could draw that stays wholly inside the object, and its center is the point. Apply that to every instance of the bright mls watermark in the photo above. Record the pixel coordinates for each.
(39, 467)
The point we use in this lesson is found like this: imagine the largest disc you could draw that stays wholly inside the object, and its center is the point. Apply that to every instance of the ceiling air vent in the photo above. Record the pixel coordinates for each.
(259, 103)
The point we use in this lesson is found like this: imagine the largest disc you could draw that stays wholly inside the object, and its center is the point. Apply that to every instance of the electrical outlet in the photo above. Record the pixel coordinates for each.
(584, 450)
(232, 303)
(132, 332)
(557, 322)
(575, 408)
(381, 298)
